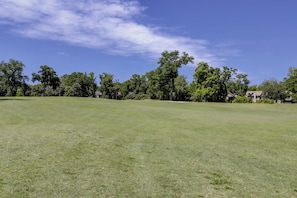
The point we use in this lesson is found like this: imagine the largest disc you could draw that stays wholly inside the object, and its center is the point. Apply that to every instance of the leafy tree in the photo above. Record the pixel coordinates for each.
(210, 84)
(291, 80)
(116, 93)
(135, 87)
(107, 85)
(201, 87)
(24, 90)
(181, 88)
(47, 76)
(2, 87)
(37, 90)
(158, 86)
(253, 88)
(170, 62)
(242, 99)
(79, 84)
(225, 77)
(126, 88)
(273, 89)
(11, 76)
(239, 85)
(138, 84)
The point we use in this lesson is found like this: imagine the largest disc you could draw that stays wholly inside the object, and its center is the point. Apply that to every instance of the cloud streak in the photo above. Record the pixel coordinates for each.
(108, 25)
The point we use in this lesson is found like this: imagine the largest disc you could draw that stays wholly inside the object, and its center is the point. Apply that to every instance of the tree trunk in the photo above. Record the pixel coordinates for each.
(172, 89)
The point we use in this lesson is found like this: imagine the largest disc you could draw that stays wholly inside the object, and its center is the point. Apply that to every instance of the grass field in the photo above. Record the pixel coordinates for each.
(84, 147)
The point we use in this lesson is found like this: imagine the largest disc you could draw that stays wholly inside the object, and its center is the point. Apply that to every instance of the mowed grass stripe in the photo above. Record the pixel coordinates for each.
(84, 147)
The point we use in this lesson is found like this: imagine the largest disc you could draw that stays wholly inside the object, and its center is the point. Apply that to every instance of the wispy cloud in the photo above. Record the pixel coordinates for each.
(62, 54)
(108, 25)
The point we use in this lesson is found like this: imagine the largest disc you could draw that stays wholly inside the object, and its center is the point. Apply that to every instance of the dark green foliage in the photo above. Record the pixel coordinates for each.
(47, 77)
(291, 83)
(273, 89)
(107, 85)
(79, 84)
(266, 101)
(2, 87)
(134, 88)
(181, 89)
(161, 81)
(158, 86)
(139, 96)
(37, 90)
(238, 85)
(242, 99)
(294, 97)
(211, 84)
(253, 88)
(291, 80)
(11, 77)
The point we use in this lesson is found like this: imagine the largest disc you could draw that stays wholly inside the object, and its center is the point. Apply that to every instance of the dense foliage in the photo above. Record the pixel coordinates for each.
(11, 77)
(242, 99)
(209, 84)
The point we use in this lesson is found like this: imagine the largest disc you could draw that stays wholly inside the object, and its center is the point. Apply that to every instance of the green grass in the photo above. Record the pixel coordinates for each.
(84, 147)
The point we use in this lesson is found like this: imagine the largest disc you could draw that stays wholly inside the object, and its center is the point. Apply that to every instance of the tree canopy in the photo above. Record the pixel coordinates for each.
(169, 63)
(11, 77)
(209, 84)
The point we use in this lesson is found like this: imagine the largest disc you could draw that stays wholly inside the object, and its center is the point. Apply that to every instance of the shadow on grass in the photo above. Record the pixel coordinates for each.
(16, 99)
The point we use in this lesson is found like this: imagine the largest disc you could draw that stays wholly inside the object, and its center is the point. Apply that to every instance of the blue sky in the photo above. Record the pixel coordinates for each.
(123, 37)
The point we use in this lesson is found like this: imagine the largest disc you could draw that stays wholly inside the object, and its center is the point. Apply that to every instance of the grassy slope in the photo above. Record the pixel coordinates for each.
(82, 147)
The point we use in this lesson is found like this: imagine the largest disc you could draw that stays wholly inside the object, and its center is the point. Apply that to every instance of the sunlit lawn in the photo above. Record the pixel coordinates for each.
(84, 147)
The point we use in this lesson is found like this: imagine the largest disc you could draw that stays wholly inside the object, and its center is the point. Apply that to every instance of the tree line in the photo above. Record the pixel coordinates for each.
(209, 84)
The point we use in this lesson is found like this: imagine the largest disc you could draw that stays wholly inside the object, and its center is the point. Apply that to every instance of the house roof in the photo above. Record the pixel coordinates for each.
(253, 93)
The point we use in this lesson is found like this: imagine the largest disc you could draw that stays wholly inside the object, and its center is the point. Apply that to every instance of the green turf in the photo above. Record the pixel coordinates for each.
(84, 147)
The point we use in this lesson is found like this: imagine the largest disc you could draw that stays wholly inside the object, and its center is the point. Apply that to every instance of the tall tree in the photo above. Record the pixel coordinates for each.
(170, 62)
(48, 77)
(273, 89)
(107, 85)
(204, 86)
(210, 84)
(79, 84)
(291, 80)
(291, 83)
(135, 87)
(11, 76)
(239, 85)
(158, 85)
(181, 88)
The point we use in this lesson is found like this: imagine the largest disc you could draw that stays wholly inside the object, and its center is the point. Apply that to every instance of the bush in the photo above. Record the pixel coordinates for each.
(294, 98)
(242, 99)
(20, 92)
(266, 101)
(140, 96)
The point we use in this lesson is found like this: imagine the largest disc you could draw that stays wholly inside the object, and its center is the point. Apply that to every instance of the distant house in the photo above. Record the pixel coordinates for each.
(98, 94)
(230, 97)
(254, 95)
(288, 99)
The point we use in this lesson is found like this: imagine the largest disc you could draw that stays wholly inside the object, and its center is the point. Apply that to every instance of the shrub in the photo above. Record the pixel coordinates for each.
(19, 92)
(266, 101)
(294, 98)
(242, 99)
(139, 96)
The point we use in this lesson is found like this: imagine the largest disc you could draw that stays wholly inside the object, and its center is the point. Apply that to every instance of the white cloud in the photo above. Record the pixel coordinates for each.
(107, 25)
